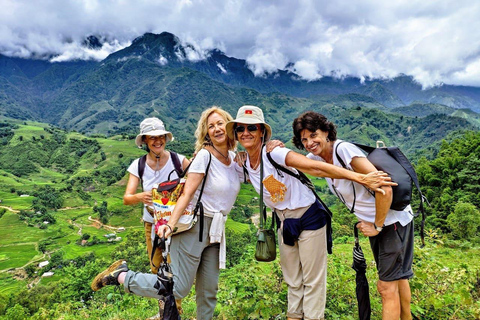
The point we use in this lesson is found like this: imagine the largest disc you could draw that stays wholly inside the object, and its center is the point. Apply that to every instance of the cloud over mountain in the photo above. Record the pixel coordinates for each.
(434, 41)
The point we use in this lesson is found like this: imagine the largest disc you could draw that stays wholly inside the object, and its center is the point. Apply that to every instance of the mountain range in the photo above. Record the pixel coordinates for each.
(157, 75)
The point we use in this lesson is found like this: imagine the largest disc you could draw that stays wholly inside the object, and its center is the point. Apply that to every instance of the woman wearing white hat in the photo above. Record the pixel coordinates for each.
(156, 167)
(302, 234)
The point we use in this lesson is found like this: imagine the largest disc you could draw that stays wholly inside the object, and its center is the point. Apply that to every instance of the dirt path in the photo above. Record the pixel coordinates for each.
(10, 209)
(97, 224)
(71, 208)
(79, 226)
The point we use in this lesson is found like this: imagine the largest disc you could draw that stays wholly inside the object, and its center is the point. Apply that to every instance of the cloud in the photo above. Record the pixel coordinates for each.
(434, 41)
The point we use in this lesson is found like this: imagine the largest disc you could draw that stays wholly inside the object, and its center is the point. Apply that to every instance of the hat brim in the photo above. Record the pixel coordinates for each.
(230, 125)
(139, 141)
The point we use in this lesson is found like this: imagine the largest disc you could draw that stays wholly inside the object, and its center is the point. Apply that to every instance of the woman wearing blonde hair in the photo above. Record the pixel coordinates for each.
(192, 259)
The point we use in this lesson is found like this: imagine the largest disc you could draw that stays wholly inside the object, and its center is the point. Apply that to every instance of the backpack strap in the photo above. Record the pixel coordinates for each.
(403, 161)
(176, 163)
(398, 155)
(141, 168)
(245, 174)
(199, 205)
(306, 181)
(352, 210)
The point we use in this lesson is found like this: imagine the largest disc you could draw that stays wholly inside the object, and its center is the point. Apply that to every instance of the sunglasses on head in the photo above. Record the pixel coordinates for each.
(250, 128)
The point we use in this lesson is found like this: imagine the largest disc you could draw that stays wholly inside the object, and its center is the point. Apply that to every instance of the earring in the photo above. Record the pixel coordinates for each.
(328, 140)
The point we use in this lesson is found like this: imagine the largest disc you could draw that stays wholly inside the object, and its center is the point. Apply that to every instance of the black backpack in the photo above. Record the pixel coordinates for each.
(392, 161)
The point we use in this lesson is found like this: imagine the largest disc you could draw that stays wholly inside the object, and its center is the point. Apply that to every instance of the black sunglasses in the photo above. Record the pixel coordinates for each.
(250, 127)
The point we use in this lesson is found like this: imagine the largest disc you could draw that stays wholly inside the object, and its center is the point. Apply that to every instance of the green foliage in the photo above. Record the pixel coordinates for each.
(236, 242)
(442, 290)
(241, 214)
(102, 212)
(241, 297)
(17, 312)
(464, 221)
(454, 176)
(134, 250)
(48, 197)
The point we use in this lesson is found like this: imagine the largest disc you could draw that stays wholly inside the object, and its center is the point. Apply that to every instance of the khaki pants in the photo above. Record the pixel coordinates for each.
(157, 257)
(304, 267)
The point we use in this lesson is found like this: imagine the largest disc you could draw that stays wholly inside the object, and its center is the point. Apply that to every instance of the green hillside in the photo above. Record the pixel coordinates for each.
(53, 182)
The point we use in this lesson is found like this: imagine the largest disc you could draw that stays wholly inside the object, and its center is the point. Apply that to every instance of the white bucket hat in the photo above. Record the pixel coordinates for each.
(248, 115)
(152, 127)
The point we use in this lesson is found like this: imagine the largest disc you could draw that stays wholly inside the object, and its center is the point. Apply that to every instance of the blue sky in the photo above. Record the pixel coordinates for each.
(434, 41)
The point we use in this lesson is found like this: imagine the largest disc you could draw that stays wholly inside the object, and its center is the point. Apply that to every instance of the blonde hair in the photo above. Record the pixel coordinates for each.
(202, 129)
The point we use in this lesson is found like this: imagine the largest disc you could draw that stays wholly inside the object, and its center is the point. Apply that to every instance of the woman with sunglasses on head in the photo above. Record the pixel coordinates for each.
(193, 260)
(302, 233)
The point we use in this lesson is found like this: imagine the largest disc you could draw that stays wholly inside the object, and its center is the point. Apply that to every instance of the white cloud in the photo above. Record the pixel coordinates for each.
(75, 51)
(222, 68)
(162, 60)
(434, 41)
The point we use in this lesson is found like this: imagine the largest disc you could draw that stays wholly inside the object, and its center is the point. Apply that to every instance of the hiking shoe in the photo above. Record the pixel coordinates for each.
(109, 276)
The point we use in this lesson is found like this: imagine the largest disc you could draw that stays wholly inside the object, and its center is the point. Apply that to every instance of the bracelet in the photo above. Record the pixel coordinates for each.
(171, 230)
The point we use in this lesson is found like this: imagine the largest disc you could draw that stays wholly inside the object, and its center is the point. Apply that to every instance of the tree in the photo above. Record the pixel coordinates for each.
(30, 269)
(464, 221)
(17, 313)
(48, 197)
(102, 212)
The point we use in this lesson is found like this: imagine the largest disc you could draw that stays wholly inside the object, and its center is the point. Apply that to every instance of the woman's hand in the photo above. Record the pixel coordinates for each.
(367, 228)
(375, 180)
(272, 144)
(146, 197)
(164, 231)
(240, 158)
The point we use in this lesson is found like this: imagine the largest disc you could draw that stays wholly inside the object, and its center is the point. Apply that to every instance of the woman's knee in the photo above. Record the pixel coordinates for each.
(387, 289)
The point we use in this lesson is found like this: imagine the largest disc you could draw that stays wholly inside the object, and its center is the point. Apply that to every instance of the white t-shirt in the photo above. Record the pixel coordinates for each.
(292, 195)
(150, 177)
(222, 184)
(364, 198)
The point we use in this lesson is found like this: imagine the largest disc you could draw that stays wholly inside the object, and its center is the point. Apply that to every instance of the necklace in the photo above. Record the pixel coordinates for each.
(258, 162)
(157, 164)
(225, 156)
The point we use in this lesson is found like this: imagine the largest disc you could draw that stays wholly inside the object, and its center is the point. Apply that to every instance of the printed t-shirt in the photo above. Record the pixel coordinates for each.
(150, 177)
(280, 191)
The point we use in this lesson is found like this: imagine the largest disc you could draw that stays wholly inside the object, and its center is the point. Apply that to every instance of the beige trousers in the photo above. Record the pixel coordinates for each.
(304, 268)
(157, 257)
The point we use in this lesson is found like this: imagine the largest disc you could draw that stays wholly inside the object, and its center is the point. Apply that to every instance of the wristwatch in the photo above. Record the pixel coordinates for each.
(379, 229)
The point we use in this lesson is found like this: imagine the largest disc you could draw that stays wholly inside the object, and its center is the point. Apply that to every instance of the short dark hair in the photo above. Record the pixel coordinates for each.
(312, 121)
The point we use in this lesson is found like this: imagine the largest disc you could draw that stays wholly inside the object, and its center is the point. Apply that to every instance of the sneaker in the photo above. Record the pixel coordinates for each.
(109, 276)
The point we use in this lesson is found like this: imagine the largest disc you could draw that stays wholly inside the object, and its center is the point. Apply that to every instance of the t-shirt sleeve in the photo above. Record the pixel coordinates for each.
(279, 155)
(347, 151)
(181, 157)
(199, 164)
(133, 169)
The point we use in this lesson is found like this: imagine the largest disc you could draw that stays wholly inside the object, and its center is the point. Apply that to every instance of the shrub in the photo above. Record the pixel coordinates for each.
(464, 221)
